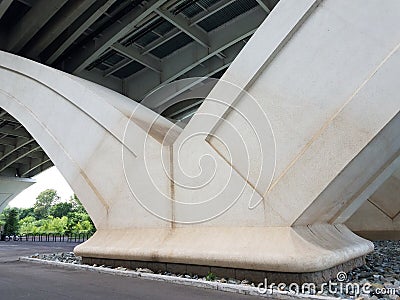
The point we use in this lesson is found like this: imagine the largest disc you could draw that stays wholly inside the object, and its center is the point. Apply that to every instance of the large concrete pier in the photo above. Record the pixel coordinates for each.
(300, 133)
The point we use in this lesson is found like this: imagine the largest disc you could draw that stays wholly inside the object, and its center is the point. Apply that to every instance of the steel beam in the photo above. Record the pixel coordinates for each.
(118, 66)
(180, 22)
(34, 166)
(80, 29)
(264, 5)
(133, 53)
(32, 22)
(56, 27)
(193, 54)
(112, 35)
(199, 17)
(20, 144)
(16, 158)
(4, 5)
(15, 132)
(210, 11)
(158, 42)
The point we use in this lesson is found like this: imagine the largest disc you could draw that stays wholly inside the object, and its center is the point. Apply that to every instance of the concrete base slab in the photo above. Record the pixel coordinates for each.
(255, 276)
(284, 253)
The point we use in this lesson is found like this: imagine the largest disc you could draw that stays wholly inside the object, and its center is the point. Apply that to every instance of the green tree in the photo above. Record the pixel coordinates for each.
(11, 222)
(26, 212)
(44, 201)
(61, 209)
(77, 204)
(28, 225)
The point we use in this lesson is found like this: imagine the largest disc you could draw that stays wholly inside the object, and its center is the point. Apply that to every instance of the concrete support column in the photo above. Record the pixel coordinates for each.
(294, 137)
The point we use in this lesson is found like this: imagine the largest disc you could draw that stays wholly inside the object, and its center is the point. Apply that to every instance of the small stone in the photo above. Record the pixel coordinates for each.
(245, 281)
(188, 276)
(233, 281)
(222, 280)
(377, 277)
(144, 270)
(94, 265)
(365, 274)
(376, 285)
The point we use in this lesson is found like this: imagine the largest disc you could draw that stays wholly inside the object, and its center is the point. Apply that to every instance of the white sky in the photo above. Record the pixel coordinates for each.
(49, 179)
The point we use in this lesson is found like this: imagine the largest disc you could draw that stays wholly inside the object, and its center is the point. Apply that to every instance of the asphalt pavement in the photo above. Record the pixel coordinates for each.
(20, 280)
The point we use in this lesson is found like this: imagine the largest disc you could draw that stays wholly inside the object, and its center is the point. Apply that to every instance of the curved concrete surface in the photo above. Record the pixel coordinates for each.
(11, 187)
(288, 144)
(379, 217)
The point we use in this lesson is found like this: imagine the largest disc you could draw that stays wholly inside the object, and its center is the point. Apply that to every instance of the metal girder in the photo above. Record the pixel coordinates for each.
(56, 27)
(84, 25)
(37, 154)
(112, 35)
(210, 11)
(180, 22)
(182, 110)
(20, 144)
(4, 5)
(32, 22)
(264, 5)
(15, 132)
(193, 55)
(29, 168)
(134, 53)
(118, 66)
(27, 2)
(16, 158)
(158, 42)
(174, 32)
(6, 141)
(215, 65)
(203, 71)
(2, 113)
(7, 117)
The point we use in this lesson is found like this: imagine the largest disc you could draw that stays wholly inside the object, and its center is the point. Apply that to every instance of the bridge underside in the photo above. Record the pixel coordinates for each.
(266, 173)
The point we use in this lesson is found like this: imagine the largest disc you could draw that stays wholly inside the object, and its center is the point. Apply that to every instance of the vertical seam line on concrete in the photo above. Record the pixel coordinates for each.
(172, 185)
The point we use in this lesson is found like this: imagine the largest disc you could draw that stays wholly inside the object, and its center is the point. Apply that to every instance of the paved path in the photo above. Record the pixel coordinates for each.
(20, 280)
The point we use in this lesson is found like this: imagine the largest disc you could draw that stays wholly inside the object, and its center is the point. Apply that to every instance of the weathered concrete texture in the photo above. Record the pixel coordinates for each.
(11, 187)
(379, 217)
(289, 143)
(323, 246)
(255, 276)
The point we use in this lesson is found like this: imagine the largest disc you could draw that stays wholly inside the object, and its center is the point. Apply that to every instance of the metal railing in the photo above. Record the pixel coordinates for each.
(49, 237)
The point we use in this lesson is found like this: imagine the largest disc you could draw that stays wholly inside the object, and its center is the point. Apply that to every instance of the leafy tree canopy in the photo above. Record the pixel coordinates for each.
(43, 203)
(48, 216)
(11, 222)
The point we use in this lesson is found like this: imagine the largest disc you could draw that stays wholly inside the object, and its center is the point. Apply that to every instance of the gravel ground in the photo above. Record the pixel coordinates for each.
(378, 279)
